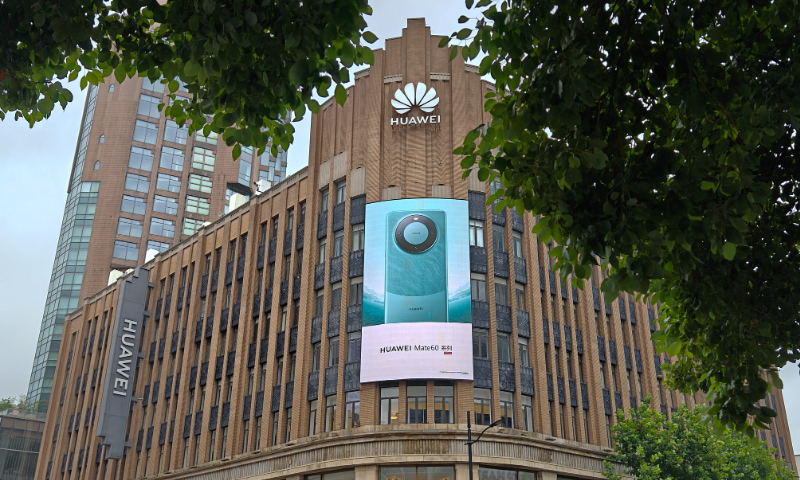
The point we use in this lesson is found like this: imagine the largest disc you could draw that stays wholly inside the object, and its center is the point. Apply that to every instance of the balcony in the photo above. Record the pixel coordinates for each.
(482, 369)
(331, 379)
(247, 406)
(336, 269)
(229, 272)
(204, 286)
(203, 373)
(226, 414)
(296, 287)
(338, 217)
(562, 394)
(552, 277)
(579, 341)
(214, 280)
(353, 318)
(549, 387)
(627, 351)
(507, 380)
(251, 355)
(237, 308)
(541, 279)
(612, 351)
(568, 338)
(256, 304)
(523, 324)
(517, 222)
(355, 266)
(223, 319)
(301, 235)
(262, 352)
(545, 330)
(316, 329)
(198, 331)
(313, 385)
(526, 381)
(287, 242)
(333, 322)
(573, 393)
(275, 405)
(229, 366)
(284, 297)
(293, 340)
(212, 418)
(179, 303)
(480, 314)
(322, 224)
(607, 402)
(260, 257)
(259, 408)
(240, 267)
(319, 276)
(192, 378)
(218, 366)
(268, 300)
(601, 349)
(273, 245)
(279, 344)
(478, 260)
(477, 205)
(498, 218)
(501, 264)
(352, 376)
(358, 208)
(520, 270)
(503, 317)
(289, 397)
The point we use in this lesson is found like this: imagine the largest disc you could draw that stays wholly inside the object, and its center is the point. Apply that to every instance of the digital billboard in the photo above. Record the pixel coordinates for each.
(417, 310)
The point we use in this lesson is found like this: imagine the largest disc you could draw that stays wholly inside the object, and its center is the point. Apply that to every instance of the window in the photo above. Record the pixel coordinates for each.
(162, 227)
(330, 413)
(476, 234)
(97, 165)
(245, 164)
(245, 437)
(483, 406)
(420, 473)
(390, 405)
(498, 238)
(336, 296)
(353, 347)
(133, 205)
(103, 139)
(516, 244)
(503, 347)
(157, 87)
(316, 353)
(169, 183)
(338, 243)
(172, 159)
(175, 134)
(519, 291)
(148, 106)
(165, 205)
(138, 183)
(312, 418)
(524, 355)
(274, 429)
(333, 351)
(323, 203)
(145, 132)
(129, 227)
(126, 250)
(478, 284)
(301, 217)
(210, 139)
(495, 185)
(507, 409)
(500, 291)
(203, 159)
(288, 434)
(319, 305)
(480, 343)
(416, 401)
(357, 242)
(443, 402)
(341, 188)
(160, 246)
(200, 183)
(356, 291)
(141, 159)
(323, 244)
(352, 407)
(527, 413)
(111, 90)
(197, 205)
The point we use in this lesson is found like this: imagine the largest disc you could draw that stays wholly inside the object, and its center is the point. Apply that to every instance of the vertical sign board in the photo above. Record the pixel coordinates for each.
(112, 421)
(417, 309)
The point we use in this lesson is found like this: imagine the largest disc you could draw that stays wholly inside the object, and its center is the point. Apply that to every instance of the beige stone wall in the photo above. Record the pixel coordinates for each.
(354, 143)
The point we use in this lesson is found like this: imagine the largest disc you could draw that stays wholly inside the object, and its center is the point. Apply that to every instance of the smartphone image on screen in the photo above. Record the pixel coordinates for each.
(416, 266)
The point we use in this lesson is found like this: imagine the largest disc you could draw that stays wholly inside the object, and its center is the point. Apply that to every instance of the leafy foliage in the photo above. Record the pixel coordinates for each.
(247, 63)
(686, 448)
(662, 138)
(21, 402)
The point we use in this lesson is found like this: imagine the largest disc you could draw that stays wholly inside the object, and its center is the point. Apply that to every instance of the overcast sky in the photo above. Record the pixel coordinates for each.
(34, 169)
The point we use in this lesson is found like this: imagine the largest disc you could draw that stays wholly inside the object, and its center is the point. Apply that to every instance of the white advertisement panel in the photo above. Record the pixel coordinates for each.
(417, 315)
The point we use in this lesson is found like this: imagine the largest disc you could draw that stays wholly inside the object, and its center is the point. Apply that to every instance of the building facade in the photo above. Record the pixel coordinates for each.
(148, 184)
(249, 360)
(20, 439)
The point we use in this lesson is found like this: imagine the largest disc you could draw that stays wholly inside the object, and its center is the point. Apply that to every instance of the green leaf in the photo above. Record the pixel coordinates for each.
(191, 68)
(250, 18)
(729, 251)
(463, 33)
(341, 94)
(443, 42)
(298, 74)
(369, 37)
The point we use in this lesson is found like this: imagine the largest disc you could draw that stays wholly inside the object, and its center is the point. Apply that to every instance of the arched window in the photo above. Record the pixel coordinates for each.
(102, 139)
(111, 88)
(97, 165)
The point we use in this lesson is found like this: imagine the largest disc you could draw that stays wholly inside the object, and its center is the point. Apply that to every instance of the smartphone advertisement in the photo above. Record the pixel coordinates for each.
(417, 314)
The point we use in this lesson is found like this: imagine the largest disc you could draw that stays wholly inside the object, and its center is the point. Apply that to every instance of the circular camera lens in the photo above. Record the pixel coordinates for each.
(415, 233)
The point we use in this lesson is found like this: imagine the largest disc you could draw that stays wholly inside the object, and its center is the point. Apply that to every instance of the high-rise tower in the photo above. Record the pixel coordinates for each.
(138, 182)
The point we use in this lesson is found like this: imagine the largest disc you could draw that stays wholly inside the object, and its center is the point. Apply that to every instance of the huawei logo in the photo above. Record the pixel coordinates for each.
(409, 96)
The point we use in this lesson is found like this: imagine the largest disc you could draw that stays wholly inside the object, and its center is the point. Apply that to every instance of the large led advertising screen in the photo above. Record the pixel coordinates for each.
(417, 312)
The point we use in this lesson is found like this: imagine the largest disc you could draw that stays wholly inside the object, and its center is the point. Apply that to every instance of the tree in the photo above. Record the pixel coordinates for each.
(21, 402)
(685, 448)
(6, 403)
(247, 63)
(659, 139)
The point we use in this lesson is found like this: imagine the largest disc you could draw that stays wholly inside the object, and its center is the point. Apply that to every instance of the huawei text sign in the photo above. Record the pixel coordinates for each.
(420, 96)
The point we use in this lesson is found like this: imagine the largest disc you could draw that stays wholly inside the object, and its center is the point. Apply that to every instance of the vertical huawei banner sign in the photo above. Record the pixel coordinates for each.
(417, 311)
(115, 406)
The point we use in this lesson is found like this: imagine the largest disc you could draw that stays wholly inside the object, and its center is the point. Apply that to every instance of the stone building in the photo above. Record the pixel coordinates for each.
(249, 362)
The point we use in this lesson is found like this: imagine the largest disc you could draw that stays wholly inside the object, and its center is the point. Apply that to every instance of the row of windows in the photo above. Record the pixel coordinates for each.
(147, 132)
(140, 183)
(476, 238)
(172, 159)
(130, 251)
